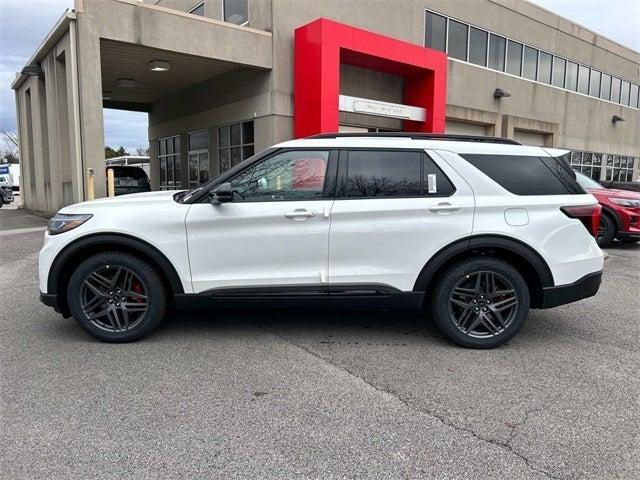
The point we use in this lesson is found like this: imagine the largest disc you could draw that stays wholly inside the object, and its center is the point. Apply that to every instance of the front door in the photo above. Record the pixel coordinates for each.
(394, 210)
(275, 232)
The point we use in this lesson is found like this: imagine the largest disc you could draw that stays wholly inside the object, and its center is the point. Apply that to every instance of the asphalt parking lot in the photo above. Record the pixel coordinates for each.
(317, 395)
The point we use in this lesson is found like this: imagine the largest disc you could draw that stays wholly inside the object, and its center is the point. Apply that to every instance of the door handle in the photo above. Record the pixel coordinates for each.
(444, 208)
(300, 214)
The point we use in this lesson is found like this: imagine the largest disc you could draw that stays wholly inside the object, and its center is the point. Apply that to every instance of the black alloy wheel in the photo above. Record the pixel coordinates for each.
(480, 302)
(483, 304)
(116, 297)
(113, 298)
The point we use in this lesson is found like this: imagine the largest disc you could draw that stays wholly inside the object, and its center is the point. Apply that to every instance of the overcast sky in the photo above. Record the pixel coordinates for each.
(24, 23)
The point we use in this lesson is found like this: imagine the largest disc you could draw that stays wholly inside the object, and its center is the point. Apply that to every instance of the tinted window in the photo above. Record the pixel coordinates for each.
(583, 79)
(496, 52)
(435, 32)
(198, 9)
(559, 65)
(521, 175)
(571, 82)
(382, 174)
(514, 58)
(530, 63)
(457, 40)
(296, 175)
(478, 46)
(544, 75)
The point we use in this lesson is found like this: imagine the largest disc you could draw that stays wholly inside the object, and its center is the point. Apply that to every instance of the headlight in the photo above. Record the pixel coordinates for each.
(63, 223)
(626, 202)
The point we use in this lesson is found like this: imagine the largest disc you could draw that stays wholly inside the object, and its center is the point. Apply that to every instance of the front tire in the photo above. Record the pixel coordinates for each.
(606, 231)
(116, 297)
(481, 302)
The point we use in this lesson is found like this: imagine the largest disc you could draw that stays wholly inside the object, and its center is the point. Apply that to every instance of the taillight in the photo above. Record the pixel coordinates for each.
(589, 215)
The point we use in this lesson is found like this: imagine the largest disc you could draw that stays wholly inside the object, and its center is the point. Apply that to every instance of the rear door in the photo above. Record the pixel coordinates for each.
(394, 210)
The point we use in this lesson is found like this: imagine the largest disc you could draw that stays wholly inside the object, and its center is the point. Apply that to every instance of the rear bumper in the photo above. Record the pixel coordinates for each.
(586, 287)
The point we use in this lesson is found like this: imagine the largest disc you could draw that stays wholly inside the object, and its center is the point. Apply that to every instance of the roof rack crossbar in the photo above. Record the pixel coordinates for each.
(419, 136)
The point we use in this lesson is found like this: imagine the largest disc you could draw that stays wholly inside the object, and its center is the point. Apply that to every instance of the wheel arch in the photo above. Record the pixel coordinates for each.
(530, 263)
(79, 250)
(607, 210)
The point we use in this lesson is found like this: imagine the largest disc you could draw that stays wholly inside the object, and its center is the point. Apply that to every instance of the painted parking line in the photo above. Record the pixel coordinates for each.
(16, 231)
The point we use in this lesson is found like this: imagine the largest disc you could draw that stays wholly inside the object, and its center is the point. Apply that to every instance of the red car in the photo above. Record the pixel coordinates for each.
(620, 212)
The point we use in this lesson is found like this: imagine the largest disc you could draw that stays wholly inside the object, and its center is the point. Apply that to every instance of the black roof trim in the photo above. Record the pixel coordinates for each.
(420, 136)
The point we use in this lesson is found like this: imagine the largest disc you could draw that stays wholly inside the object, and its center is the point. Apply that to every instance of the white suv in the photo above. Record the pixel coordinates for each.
(474, 230)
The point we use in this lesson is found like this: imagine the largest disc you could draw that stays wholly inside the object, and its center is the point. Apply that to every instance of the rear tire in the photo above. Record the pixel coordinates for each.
(606, 231)
(481, 302)
(116, 297)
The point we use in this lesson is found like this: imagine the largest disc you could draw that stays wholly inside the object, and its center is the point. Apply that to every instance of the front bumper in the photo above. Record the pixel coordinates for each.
(50, 300)
(586, 287)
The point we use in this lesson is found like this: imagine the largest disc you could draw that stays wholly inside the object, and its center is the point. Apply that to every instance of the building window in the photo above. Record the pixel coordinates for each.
(571, 80)
(615, 90)
(583, 79)
(559, 67)
(594, 83)
(544, 69)
(435, 32)
(624, 93)
(497, 46)
(457, 46)
(514, 58)
(465, 42)
(169, 159)
(605, 87)
(198, 9)
(588, 163)
(478, 46)
(633, 99)
(235, 144)
(236, 11)
(620, 168)
(198, 158)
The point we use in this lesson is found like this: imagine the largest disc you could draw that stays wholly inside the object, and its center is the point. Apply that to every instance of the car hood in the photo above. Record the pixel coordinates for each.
(612, 192)
(133, 199)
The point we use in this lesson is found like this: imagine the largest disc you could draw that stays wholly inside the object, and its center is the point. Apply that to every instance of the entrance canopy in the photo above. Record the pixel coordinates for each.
(322, 45)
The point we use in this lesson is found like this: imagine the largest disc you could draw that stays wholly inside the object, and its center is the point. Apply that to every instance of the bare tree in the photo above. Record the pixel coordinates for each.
(10, 148)
(142, 151)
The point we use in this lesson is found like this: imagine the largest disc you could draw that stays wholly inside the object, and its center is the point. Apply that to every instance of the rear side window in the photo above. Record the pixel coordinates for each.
(525, 175)
(391, 174)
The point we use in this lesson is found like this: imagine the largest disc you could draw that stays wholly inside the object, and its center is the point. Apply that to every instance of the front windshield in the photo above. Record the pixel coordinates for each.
(587, 182)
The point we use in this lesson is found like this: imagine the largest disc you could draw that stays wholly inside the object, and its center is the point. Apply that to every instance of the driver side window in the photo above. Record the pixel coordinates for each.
(287, 176)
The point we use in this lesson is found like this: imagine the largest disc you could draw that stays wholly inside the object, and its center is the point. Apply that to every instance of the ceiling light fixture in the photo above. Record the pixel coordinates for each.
(126, 82)
(159, 66)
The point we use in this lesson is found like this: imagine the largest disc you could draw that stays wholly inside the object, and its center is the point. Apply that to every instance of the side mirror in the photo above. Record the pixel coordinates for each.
(222, 194)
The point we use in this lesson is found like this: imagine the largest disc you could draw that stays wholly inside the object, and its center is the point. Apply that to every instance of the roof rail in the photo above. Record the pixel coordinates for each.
(420, 136)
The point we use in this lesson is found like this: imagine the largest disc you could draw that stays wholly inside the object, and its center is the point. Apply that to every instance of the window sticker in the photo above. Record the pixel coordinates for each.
(431, 183)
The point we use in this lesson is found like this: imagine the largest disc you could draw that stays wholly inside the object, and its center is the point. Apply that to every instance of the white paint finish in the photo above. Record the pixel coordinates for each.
(380, 108)
(389, 240)
(254, 244)
(516, 217)
(569, 250)
(152, 217)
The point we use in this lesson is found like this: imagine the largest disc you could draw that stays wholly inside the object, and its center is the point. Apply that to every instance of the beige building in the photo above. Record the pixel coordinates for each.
(217, 80)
